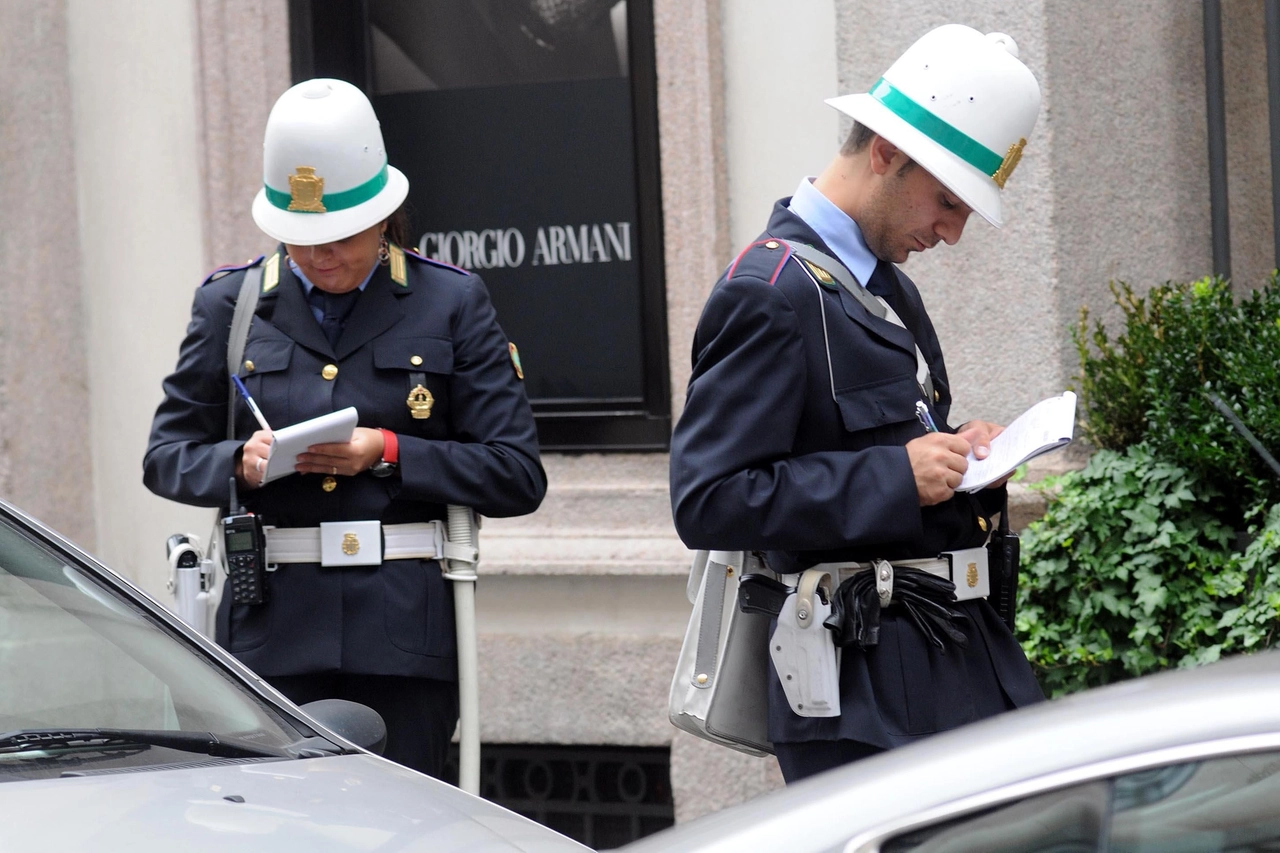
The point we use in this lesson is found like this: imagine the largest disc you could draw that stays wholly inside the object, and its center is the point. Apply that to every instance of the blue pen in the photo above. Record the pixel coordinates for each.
(253, 407)
(922, 412)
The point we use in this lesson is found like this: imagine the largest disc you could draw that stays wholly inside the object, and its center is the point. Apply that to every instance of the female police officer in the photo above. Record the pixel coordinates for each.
(344, 317)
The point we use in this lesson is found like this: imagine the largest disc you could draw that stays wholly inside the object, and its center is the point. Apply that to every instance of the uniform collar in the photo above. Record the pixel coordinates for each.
(306, 282)
(836, 228)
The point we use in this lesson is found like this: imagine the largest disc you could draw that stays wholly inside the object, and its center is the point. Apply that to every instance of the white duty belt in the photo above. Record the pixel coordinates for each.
(362, 543)
(968, 569)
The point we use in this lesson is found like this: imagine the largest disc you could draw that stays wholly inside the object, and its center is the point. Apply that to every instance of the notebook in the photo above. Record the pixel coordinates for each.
(1046, 426)
(332, 428)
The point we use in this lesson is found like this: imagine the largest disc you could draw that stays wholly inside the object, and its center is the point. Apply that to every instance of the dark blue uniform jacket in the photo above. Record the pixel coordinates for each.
(782, 450)
(478, 449)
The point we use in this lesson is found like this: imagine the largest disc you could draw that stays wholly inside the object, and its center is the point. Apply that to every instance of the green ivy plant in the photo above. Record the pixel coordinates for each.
(1129, 571)
(1165, 550)
(1254, 579)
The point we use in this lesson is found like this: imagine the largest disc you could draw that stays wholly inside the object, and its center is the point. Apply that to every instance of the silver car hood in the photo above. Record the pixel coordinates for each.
(1233, 705)
(341, 803)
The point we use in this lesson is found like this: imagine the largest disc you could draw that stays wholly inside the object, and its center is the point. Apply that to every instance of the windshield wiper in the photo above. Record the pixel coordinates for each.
(34, 740)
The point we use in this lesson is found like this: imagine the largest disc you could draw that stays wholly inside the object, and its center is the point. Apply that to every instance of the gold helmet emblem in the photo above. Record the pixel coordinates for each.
(1009, 163)
(307, 190)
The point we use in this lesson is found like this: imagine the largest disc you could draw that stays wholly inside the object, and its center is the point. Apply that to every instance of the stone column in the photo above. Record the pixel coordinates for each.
(45, 399)
(243, 67)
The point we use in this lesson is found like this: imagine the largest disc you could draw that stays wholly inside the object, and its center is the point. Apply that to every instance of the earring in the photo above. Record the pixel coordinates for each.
(384, 252)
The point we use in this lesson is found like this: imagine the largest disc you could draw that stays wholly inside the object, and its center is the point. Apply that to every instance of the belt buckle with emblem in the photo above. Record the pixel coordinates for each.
(969, 572)
(420, 402)
(350, 543)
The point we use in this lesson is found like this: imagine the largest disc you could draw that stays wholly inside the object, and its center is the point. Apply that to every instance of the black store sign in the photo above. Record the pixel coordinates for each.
(527, 129)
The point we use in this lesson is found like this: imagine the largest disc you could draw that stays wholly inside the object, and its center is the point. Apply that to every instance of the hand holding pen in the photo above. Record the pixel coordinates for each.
(938, 460)
(257, 450)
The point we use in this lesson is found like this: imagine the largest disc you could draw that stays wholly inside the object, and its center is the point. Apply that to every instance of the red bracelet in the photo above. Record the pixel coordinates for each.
(390, 447)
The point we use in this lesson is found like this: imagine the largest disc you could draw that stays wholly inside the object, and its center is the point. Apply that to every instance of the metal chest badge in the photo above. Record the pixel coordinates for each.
(822, 275)
(420, 402)
(307, 190)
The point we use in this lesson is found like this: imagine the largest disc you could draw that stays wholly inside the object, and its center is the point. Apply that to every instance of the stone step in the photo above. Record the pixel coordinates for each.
(612, 516)
(621, 506)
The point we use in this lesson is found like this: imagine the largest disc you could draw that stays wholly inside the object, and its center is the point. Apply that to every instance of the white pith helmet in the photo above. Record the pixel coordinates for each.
(961, 105)
(324, 168)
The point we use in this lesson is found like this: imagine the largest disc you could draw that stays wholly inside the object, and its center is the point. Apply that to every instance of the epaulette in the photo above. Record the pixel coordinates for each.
(230, 268)
(763, 259)
(413, 253)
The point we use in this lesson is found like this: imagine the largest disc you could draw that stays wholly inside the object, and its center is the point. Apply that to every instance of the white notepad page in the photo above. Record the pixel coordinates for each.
(332, 428)
(1048, 425)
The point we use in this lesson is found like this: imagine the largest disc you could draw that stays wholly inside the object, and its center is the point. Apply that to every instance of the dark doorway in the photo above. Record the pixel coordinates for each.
(528, 132)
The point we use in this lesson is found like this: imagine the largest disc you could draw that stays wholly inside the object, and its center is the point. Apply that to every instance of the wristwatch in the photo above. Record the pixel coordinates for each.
(390, 461)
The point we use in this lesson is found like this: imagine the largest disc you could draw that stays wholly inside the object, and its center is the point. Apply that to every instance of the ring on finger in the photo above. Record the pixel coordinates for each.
(335, 469)
(261, 462)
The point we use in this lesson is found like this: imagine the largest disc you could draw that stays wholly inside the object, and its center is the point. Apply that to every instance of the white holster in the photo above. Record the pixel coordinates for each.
(192, 585)
(804, 651)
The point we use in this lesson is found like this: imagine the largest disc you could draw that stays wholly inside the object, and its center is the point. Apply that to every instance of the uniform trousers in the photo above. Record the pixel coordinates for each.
(811, 757)
(420, 713)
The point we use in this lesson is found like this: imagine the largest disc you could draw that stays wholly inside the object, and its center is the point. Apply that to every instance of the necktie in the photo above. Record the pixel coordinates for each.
(881, 281)
(335, 307)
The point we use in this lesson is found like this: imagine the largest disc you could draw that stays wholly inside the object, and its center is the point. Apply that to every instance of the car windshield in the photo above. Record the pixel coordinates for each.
(76, 654)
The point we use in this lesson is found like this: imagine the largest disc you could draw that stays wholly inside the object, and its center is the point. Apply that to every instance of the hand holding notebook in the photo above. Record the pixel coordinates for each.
(294, 439)
(1046, 426)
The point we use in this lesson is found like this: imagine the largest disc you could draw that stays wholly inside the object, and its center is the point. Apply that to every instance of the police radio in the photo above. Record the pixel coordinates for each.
(244, 546)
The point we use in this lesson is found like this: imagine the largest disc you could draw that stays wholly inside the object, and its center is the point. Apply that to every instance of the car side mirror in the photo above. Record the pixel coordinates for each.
(358, 723)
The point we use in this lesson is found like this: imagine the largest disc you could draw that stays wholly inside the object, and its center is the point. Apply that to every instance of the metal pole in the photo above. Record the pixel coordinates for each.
(1245, 432)
(1273, 108)
(462, 572)
(1216, 115)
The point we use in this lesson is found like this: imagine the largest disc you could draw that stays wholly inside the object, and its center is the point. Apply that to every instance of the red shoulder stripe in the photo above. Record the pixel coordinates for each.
(776, 271)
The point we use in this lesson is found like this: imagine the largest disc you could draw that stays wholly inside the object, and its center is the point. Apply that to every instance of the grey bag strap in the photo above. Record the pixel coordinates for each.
(246, 303)
(715, 582)
(874, 304)
(838, 271)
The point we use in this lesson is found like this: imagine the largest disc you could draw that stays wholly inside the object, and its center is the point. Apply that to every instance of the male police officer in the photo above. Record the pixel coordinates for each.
(808, 431)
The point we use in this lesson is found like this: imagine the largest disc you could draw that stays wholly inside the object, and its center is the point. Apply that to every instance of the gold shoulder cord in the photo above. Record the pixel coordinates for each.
(399, 272)
(271, 273)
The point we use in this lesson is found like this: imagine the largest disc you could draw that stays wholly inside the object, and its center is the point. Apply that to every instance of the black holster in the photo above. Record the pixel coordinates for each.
(1003, 555)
